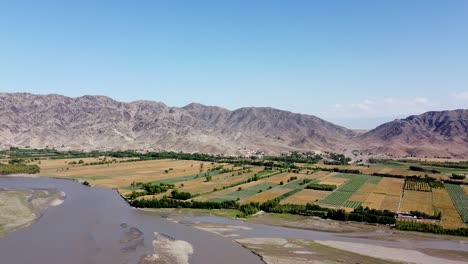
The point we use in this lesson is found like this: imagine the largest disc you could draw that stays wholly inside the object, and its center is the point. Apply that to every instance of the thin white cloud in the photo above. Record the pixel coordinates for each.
(385, 107)
(421, 100)
(361, 106)
(460, 95)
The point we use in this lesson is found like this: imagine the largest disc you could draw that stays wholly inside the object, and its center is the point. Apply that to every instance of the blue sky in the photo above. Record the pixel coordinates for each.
(356, 63)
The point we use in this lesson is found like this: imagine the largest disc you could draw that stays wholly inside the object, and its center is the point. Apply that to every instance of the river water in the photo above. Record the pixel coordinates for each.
(90, 225)
(93, 226)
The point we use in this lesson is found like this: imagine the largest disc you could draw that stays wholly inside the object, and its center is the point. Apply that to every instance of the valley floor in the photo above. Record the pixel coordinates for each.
(348, 243)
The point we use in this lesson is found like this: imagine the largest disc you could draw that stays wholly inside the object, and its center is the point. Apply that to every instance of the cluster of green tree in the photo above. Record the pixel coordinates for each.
(305, 181)
(270, 162)
(445, 164)
(175, 194)
(359, 214)
(418, 214)
(296, 157)
(337, 159)
(292, 178)
(173, 203)
(151, 188)
(433, 182)
(18, 168)
(458, 176)
(388, 175)
(421, 169)
(321, 187)
(368, 215)
(430, 228)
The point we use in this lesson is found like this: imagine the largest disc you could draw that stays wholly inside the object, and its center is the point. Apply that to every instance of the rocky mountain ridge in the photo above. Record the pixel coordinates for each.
(99, 122)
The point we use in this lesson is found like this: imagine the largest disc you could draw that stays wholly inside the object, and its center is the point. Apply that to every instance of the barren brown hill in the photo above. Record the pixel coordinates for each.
(98, 122)
(433, 134)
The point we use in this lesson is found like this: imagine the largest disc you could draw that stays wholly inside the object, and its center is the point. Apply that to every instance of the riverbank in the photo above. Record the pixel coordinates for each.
(20, 208)
(329, 241)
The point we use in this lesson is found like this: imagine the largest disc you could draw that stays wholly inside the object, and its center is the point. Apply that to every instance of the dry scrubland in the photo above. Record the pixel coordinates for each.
(351, 190)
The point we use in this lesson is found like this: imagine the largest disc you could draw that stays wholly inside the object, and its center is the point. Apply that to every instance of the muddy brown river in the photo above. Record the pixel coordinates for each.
(95, 225)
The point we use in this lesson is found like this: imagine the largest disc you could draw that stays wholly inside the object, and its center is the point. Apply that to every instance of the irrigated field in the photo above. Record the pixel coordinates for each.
(244, 193)
(201, 185)
(417, 201)
(460, 200)
(385, 195)
(119, 175)
(443, 203)
(306, 196)
(266, 195)
(254, 184)
(342, 195)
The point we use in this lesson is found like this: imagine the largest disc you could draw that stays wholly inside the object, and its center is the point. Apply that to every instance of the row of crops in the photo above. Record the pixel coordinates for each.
(341, 195)
(244, 193)
(417, 186)
(460, 200)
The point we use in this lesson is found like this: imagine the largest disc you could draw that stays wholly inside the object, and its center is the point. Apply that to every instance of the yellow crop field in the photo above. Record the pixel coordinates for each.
(55, 167)
(266, 195)
(465, 188)
(390, 202)
(390, 186)
(305, 196)
(333, 180)
(283, 177)
(374, 200)
(123, 174)
(417, 201)
(322, 174)
(363, 193)
(220, 193)
(200, 185)
(450, 216)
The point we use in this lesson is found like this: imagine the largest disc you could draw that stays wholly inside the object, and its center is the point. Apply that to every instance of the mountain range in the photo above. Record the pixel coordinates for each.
(101, 123)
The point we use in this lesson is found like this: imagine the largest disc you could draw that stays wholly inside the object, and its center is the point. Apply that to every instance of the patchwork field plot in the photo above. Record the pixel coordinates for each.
(213, 195)
(460, 200)
(352, 190)
(350, 204)
(123, 174)
(305, 196)
(266, 195)
(390, 186)
(417, 186)
(363, 192)
(283, 177)
(342, 194)
(374, 200)
(390, 203)
(443, 203)
(417, 201)
(244, 193)
(201, 185)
